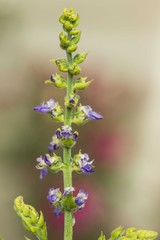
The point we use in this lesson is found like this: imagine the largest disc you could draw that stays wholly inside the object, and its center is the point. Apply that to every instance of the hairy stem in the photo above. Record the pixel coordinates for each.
(67, 173)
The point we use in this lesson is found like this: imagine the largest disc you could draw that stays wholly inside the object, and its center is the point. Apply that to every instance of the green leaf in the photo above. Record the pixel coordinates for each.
(80, 57)
(102, 236)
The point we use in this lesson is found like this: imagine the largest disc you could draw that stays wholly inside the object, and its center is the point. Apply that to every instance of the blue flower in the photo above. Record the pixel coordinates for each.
(54, 195)
(54, 144)
(91, 114)
(86, 166)
(68, 190)
(81, 198)
(46, 107)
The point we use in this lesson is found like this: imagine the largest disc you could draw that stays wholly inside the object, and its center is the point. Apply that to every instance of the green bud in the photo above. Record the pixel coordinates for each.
(58, 81)
(118, 232)
(141, 234)
(76, 39)
(79, 58)
(72, 100)
(146, 234)
(57, 113)
(67, 26)
(74, 69)
(74, 32)
(102, 236)
(62, 64)
(72, 48)
(31, 220)
(82, 85)
(64, 40)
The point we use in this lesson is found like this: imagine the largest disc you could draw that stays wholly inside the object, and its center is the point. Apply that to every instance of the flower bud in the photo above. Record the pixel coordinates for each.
(72, 100)
(72, 48)
(31, 220)
(79, 58)
(74, 32)
(62, 64)
(74, 69)
(80, 84)
(64, 40)
(76, 39)
(57, 80)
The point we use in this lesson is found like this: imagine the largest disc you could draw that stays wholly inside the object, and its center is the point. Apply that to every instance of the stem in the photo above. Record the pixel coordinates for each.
(67, 173)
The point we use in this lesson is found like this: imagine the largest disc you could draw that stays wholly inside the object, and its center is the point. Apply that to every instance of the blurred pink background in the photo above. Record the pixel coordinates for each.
(123, 39)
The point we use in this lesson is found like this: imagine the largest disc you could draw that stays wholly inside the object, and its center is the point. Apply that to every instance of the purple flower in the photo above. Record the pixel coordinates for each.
(43, 172)
(81, 198)
(45, 107)
(54, 195)
(42, 166)
(68, 190)
(54, 144)
(86, 166)
(43, 163)
(91, 114)
(57, 211)
(66, 133)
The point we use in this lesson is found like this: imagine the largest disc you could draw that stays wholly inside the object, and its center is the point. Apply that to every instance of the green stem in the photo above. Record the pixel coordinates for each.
(67, 173)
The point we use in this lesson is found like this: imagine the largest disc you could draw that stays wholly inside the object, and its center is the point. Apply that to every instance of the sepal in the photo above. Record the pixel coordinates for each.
(79, 117)
(74, 32)
(62, 64)
(66, 136)
(72, 100)
(102, 236)
(68, 203)
(80, 57)
(76, 39)
(57, 113)
(81, 83)
(81, 163)
(57, 80)
(64, 41)
(74, 69)
(72, 48)
(32, 221)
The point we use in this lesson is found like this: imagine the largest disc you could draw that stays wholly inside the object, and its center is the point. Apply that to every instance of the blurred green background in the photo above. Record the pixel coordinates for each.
(123, 39)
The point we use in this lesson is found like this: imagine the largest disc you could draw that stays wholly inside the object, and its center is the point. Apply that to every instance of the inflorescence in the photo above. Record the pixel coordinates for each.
(65, 137)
